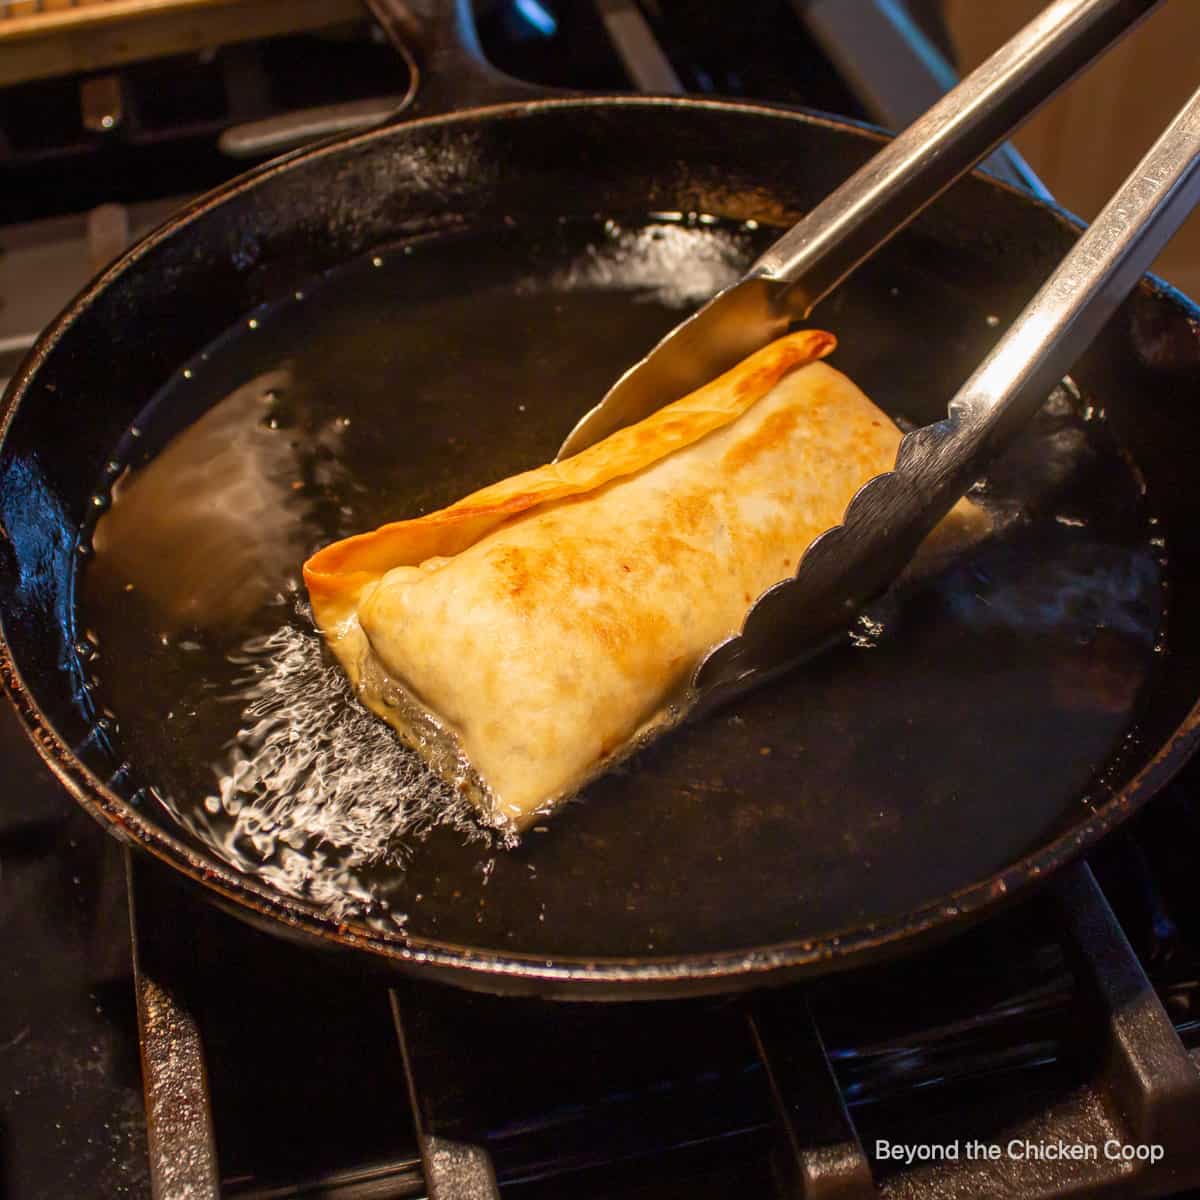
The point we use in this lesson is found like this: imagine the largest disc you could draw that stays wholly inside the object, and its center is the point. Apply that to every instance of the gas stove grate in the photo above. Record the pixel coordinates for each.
(681, 1091)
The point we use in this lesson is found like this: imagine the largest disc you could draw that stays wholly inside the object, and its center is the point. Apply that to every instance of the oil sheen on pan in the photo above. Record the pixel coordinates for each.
(1008, 682)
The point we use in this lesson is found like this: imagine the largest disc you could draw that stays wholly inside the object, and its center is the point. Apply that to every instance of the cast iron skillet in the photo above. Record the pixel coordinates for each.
(904, 836)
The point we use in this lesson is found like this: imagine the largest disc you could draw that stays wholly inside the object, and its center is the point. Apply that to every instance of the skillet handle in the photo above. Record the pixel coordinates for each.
(439, 41)
(447, 71)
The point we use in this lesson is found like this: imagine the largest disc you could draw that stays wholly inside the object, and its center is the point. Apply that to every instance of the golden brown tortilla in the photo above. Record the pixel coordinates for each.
(526, 637)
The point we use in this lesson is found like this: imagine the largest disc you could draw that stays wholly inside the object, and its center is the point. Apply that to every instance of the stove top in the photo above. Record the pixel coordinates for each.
(1053, 1050)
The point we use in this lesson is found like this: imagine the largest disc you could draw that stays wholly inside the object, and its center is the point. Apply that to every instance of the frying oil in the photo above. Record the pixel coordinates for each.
(422, 372)
(200, 534)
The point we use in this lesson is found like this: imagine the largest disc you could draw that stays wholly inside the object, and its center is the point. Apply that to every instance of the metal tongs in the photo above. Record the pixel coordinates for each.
(851, 564)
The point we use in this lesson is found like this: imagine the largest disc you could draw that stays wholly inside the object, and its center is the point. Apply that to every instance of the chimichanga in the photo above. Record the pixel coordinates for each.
(526, 637)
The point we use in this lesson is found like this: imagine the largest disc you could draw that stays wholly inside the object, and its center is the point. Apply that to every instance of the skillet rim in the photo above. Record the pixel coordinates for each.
(563, 976)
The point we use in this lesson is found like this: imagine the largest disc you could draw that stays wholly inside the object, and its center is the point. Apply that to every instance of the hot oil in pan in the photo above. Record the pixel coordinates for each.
(964, 724)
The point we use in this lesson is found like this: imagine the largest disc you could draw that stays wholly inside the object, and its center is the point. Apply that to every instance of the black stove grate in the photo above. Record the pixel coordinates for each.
(1044, 1030)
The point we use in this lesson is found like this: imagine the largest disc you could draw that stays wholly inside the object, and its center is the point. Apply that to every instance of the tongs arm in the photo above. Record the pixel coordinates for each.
(849, 565)
(913, 169)
(874, 204)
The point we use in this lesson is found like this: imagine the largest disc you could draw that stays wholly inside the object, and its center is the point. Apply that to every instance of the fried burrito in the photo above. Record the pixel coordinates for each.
(527, 637)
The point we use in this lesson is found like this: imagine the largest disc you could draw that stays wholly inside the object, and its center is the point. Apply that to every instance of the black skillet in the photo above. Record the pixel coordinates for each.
(1016, 708)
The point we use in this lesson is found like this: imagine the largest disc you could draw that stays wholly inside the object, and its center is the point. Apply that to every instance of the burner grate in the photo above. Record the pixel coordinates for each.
(1080, 1053)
